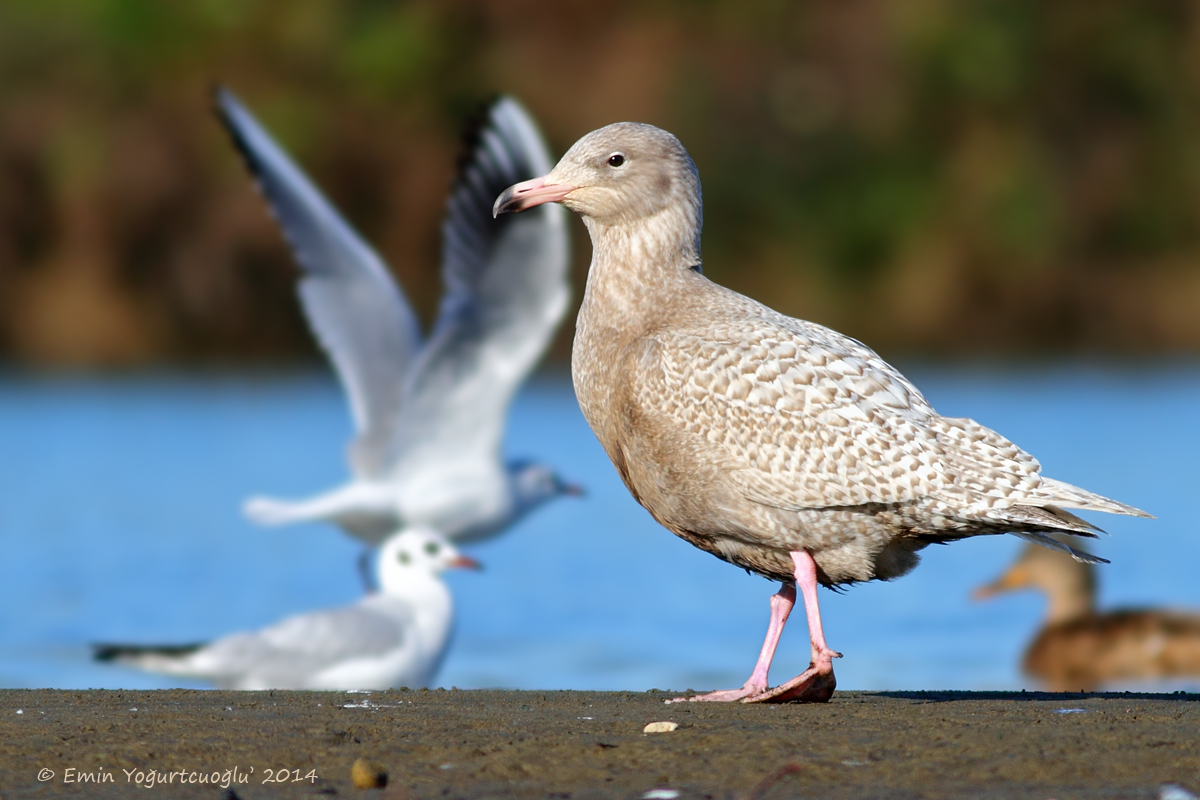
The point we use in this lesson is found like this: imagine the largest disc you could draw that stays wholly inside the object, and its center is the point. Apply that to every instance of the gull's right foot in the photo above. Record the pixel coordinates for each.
(814, 685)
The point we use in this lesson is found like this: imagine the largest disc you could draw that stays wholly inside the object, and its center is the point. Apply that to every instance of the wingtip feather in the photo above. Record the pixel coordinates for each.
(1052, 543)
(1070, 496)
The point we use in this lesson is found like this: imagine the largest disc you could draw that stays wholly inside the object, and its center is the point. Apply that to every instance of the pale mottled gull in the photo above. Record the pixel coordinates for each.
(429, 414)
(773, 443)
(395, 637)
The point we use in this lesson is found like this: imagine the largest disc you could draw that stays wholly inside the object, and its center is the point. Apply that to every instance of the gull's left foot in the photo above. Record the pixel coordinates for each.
(722, 696)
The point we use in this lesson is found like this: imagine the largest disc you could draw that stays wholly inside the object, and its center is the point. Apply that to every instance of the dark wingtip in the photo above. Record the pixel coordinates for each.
(222, 100)
(106, 652)
(474, 124)
(220, 96)
(114, 652)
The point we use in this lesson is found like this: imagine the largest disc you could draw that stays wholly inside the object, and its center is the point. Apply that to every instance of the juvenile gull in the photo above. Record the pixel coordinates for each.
(392, 638)
(775, 444)
(429, 415)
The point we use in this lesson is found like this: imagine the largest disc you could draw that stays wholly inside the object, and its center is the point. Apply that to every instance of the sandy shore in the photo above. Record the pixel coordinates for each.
(591, 744)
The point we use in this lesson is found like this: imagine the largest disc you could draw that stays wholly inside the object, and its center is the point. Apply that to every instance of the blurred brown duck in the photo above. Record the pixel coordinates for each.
(1079, 648)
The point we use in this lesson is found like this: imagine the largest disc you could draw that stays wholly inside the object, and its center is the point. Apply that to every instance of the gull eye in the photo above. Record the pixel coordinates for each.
(616, 159)
(404, 558)
(431, 548)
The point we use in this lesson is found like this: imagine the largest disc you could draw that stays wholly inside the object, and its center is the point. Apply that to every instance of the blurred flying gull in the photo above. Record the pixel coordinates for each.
(775, 444)
(429, 415)
(392, 638)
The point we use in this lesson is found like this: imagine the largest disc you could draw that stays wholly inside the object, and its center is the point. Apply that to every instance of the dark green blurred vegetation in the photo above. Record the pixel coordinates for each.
(940, 176)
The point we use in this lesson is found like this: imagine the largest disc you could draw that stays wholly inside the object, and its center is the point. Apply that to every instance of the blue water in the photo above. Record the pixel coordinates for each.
(120, 519)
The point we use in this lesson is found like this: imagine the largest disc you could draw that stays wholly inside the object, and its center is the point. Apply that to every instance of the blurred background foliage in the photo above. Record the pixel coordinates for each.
(934, 176)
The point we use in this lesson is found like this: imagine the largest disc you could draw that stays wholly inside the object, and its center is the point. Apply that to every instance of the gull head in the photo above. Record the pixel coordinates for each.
(534, 484)
(622, 173)
(415, 554)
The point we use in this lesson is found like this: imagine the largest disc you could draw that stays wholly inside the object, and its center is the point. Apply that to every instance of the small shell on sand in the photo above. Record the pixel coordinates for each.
(368, 775)
(660, 727)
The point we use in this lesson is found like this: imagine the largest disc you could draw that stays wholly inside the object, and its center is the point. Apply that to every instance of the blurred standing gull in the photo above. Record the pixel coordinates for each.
(429, 415)
(775, 444)
(392, 638)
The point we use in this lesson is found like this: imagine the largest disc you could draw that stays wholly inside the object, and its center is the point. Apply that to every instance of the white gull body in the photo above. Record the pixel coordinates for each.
(395, 637)
(774, 443)
(429, 414)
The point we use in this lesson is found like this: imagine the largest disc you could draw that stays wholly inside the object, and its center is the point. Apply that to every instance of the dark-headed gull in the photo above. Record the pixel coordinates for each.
(429, 414)
(773, 443)
(392, 638)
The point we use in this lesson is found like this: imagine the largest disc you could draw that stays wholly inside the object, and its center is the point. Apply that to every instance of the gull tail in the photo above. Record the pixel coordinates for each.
(271, 512)
(366, 511)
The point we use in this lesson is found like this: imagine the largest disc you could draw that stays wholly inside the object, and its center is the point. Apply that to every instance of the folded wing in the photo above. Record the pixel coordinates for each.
(294, 651)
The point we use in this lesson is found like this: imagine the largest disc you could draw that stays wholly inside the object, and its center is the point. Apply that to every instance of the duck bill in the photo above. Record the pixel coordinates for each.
(574, 490)
(527, 194)
(1009, 581)
(466, 562)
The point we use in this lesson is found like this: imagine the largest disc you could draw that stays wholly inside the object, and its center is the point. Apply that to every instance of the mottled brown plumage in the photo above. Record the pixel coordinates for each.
(1080, 648)
(768, 441)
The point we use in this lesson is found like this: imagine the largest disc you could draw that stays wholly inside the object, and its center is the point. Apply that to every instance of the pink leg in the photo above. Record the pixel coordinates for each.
(782, 603)
(806, 579)
(781, 606)
(815, 684)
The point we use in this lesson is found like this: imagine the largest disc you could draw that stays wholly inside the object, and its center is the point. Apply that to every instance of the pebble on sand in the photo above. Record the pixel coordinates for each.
(368, 775)
(660, 727)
